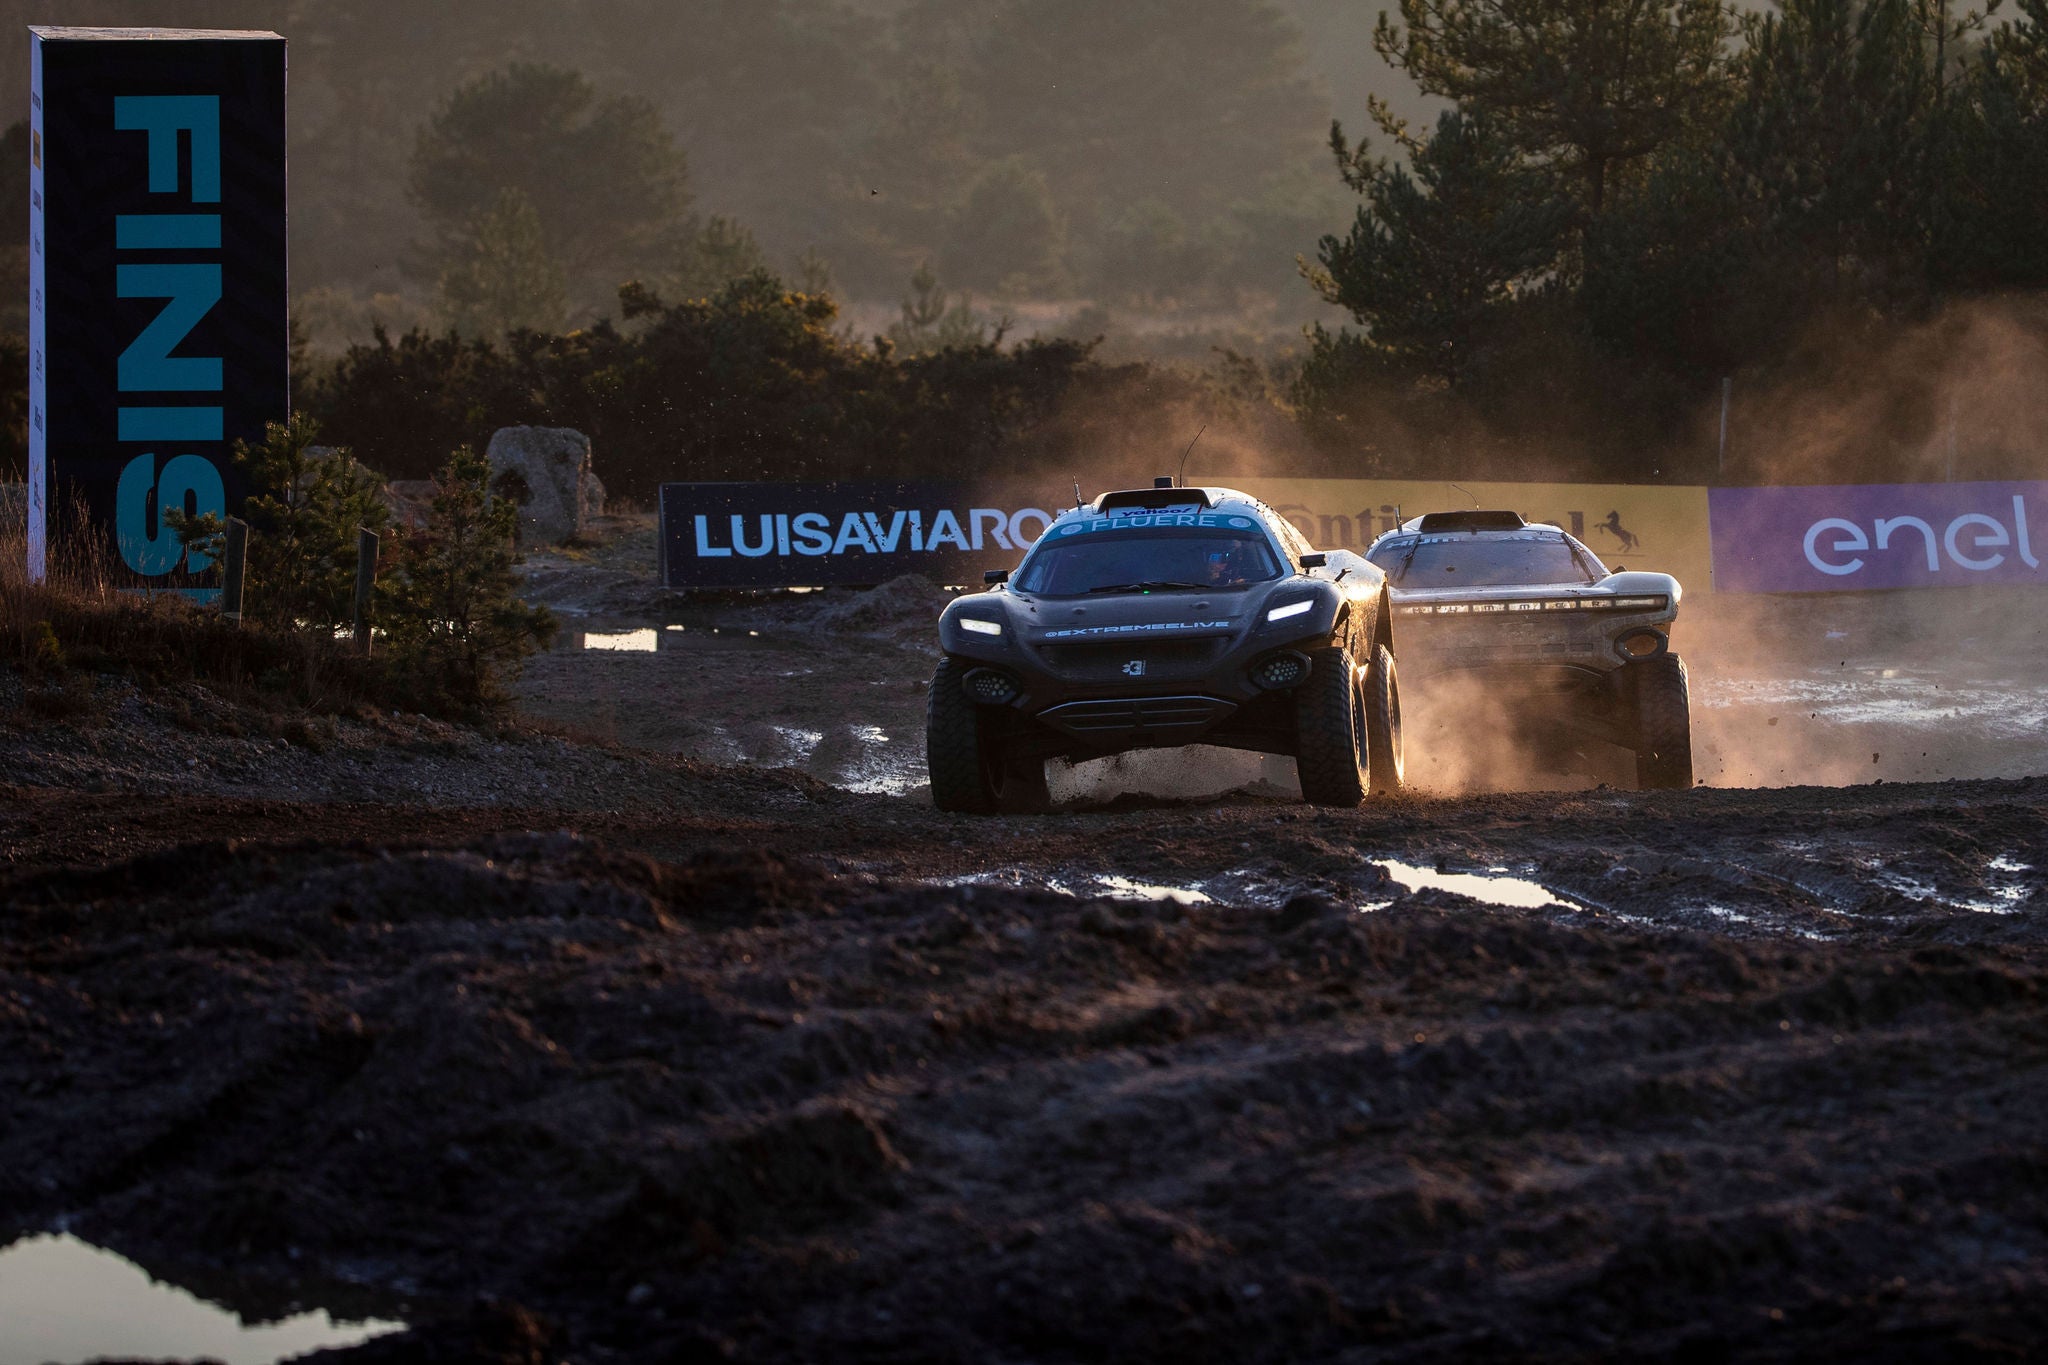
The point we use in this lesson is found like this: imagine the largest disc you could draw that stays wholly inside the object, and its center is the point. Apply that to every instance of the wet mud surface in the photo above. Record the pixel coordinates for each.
(811, 1075)
(685, 1029)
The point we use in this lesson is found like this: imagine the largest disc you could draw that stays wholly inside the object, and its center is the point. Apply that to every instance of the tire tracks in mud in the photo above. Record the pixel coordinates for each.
(742, 1074)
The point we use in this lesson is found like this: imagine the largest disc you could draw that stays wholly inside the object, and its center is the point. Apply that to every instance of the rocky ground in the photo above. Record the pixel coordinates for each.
(584, 1040)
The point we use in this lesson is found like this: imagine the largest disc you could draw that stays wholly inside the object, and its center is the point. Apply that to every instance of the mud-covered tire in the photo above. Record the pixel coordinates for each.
(1663, 723)
(1021, 787)
(964, 758)
(1386, 762)
(1330, 749)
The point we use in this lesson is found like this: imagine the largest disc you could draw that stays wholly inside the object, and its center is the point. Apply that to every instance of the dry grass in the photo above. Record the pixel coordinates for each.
(77, 623)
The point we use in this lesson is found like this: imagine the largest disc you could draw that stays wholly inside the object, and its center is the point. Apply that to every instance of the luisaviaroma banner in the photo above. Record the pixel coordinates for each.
(759, 535)
(768, 535)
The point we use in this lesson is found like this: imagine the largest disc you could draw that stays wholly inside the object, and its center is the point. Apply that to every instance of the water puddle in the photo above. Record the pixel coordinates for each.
(644, 641)
(1495, 886)
(64, 1300)
(1104, 884)
(615, 635)
(1124, 889)
(800, 742)
(872, 765)
(1891, 696)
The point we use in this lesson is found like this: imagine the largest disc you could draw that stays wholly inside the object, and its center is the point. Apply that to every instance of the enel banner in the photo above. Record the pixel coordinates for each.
(1861, 536)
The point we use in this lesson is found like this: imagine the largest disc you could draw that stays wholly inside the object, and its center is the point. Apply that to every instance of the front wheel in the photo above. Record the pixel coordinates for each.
(1380, 693)
(1663, 723)
(1330, 733)
(965, 756)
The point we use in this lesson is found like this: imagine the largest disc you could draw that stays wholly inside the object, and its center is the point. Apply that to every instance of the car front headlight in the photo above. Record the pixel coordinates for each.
(981, 627)
(1292, 609)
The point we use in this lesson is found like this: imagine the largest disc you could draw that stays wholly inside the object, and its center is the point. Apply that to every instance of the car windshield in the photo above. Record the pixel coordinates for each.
(1468, 561)
(1156, 559)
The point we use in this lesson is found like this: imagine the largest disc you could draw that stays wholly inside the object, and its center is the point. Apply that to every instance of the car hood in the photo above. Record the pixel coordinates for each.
(1162, 614)
(1173, 611)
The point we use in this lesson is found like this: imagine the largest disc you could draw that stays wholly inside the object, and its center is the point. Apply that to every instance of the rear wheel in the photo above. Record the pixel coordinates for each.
(1330, 731)
(965, 754)
(1380, 692)
(1663, 723)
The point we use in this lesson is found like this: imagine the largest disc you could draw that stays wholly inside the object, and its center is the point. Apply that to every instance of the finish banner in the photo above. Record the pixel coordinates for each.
(1860, 536)
(156, 282)
(1658, 528)
(786, 535)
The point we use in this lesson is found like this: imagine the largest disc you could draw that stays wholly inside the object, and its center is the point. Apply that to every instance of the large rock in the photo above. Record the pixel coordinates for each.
(546, 470)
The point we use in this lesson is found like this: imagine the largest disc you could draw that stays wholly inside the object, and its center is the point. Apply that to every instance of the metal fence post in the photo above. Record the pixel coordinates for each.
(1950, 477)
(366, 575)
(234, 569)
(1721, 464)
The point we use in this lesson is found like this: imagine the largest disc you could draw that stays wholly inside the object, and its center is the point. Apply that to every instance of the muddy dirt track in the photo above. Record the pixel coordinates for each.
(746, 1072)
(687, 1030)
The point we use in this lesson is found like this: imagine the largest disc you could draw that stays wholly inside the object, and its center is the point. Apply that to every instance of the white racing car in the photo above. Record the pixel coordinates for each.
(1568, 647)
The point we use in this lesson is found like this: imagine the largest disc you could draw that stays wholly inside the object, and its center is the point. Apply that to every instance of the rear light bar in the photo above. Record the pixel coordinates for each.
(1657, 602)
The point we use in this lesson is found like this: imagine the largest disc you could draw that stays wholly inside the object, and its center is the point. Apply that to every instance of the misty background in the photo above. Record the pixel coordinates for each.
(1162, 157)
(812, 238)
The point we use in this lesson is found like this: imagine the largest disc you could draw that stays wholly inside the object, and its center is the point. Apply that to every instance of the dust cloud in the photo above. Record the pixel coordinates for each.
(1963, 396)
(1196, 773)
(1827, 689)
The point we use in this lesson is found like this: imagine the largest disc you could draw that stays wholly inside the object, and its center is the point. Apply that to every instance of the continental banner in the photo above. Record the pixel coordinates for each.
(1653, 527)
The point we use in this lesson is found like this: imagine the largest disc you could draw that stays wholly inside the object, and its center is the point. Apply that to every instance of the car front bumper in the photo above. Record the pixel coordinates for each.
(1093, 698)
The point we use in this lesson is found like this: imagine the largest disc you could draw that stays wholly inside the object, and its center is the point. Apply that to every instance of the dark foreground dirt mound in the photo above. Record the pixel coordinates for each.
(589, 1105)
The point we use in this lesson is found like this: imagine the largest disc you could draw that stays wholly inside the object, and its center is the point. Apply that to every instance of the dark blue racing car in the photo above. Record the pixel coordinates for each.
(1158, 617)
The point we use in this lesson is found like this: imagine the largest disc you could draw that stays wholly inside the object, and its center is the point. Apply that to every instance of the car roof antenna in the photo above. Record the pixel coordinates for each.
(1184, 456)
(1077, 495)
(1474, 530)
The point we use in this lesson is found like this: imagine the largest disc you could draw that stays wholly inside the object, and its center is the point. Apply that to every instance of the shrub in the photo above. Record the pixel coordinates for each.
(453, 622)
(445, 600)
(752, 382)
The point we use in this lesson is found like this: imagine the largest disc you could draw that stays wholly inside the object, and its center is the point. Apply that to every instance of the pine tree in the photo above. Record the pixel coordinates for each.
(1589, 88)
(455, 621)
(504, 278)
(933, 320)
(1433, 255)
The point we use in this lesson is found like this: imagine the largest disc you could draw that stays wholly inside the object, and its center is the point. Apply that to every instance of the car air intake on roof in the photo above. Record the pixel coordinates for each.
(1472, 521)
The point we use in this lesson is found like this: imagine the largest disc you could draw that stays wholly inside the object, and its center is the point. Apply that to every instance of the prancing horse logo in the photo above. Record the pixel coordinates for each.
(1136, 668)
